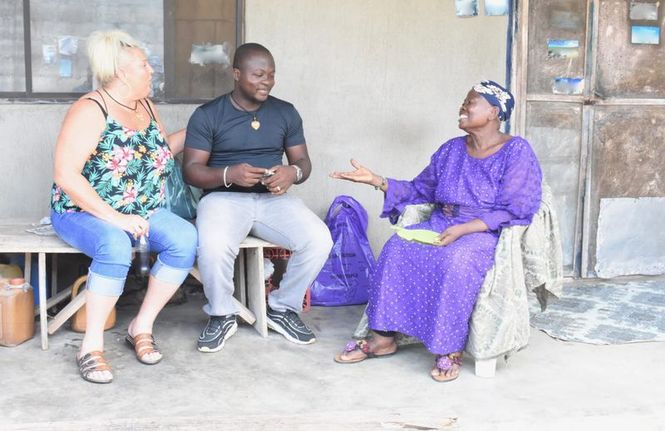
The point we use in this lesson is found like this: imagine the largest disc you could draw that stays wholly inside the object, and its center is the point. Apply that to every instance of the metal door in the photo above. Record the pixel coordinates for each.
(591, 100)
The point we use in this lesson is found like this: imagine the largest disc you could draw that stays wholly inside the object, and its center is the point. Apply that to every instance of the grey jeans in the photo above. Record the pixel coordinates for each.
(224, 219)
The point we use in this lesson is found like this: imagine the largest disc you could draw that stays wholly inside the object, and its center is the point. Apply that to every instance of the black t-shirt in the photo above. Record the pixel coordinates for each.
(224, 131)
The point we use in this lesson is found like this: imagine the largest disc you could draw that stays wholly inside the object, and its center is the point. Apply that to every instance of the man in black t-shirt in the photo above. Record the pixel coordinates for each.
(234, 150)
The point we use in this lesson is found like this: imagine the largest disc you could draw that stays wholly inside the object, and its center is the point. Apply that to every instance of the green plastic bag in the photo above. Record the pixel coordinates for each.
(181, 199)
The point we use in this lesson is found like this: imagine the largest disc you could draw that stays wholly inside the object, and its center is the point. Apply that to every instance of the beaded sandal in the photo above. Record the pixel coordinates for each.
(144, 345)
(363, 346)
(445, 363)
(92, 362)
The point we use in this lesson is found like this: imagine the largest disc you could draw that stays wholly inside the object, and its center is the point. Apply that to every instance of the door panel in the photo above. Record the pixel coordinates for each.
(553, 120)
(628, 149)
(601, 148)
(553, 129)
(627, 162)
(560, 20)
(625, 69)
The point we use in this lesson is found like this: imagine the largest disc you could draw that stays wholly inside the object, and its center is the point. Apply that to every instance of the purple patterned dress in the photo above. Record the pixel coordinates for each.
(429, 291)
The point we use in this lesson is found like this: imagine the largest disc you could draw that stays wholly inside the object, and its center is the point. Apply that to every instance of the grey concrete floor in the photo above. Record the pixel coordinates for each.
(259, 383)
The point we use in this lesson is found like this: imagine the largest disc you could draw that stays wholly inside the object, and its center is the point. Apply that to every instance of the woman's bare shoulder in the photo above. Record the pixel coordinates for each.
(86, 103)
(85, 113)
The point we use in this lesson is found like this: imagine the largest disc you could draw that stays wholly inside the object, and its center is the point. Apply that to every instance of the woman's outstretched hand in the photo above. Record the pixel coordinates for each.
(360, 175)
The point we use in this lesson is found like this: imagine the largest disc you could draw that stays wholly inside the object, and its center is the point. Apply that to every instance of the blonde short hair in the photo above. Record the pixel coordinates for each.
(104, 51)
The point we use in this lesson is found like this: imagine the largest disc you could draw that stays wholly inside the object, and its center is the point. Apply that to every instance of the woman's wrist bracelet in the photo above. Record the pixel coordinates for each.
(383, 183)
(226, 168)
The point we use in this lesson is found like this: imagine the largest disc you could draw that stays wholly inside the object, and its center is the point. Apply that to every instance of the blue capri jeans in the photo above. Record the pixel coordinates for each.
(172, 238)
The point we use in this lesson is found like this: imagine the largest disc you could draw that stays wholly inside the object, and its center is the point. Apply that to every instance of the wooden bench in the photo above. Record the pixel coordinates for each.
(14, 238)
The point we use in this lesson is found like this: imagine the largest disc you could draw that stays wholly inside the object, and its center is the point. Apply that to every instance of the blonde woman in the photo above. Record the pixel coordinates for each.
(111, 163)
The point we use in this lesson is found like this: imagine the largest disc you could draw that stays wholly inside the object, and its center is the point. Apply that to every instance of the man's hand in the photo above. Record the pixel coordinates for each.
(244, 175)
(280, 180)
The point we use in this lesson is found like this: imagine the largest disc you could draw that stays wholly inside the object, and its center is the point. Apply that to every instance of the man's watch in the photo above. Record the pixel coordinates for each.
(298, 173)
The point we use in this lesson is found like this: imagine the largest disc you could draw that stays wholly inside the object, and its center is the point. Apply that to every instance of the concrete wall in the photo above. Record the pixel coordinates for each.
(377, 80)
(29, 132)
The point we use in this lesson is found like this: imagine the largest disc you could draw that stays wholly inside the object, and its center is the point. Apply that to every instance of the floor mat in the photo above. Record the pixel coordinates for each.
(606, 313)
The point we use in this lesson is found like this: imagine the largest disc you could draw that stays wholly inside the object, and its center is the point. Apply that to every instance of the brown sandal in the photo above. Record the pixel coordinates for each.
(363, 346)
(91, 362)
(143, 345)
(444, 363)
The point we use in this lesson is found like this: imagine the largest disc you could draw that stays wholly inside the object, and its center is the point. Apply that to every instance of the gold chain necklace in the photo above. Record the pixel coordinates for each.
(138, 114)
(255, 124)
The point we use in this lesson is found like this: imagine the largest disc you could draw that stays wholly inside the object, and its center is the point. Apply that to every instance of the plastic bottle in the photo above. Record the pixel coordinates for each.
(17, 318)
(143, 251)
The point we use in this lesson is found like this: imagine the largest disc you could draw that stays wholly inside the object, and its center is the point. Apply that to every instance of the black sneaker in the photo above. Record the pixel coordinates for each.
(217, 331)
(288, 324)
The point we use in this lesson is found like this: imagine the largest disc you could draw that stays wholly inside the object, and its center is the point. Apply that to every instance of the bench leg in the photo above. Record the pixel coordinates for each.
(42, 299)
(239, 278)
(54, 275)
(27, 267)
(245, 314)
(256, 288)
(74, 305)
(486, 368)
(57, 299)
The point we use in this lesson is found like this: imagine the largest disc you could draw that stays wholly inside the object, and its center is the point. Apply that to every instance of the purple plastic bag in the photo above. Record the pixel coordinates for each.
(345, 276)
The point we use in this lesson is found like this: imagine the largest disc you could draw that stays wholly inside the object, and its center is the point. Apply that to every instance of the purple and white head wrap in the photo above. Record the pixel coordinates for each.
(497, 96)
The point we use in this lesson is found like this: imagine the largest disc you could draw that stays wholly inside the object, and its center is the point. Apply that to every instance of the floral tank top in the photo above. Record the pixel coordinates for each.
(128, 169)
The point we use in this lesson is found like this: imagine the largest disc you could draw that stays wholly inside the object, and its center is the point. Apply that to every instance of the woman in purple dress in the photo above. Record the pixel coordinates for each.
(481, 182)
